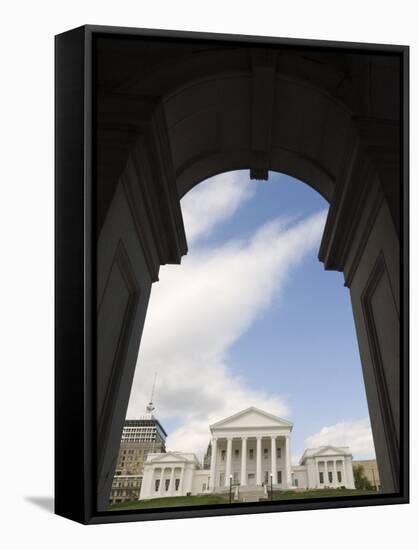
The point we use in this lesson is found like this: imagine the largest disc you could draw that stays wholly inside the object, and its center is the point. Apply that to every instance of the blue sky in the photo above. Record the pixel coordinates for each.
(293, 353)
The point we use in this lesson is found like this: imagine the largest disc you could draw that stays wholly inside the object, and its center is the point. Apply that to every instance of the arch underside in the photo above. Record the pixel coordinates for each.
(229, 107)
(212, 126)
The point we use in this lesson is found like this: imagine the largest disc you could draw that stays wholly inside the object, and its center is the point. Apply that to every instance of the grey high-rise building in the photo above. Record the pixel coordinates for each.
(139, 437)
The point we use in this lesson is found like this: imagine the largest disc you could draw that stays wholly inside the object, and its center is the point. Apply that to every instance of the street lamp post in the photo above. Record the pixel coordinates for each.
(373, 480)
(231, 481)
(271, 486)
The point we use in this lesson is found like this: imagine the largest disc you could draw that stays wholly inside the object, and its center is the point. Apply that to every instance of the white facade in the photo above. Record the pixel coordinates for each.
(170, 474)
(247, 450)
(322, 467)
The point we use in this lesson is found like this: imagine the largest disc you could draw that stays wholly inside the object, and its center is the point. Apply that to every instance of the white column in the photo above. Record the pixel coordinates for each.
(213, 481)
(172, 481)
(344, 478)
(182, 472)
(287, 461)
(161, 481)
(274, 469)
(259, 460)
(349, 473)
(243, 473)
(335, 474)
(326, 480)
(228, 461)
(147, 487)
(317, 473)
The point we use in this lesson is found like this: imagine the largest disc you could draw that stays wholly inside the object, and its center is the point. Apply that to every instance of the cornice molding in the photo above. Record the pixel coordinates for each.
(372, 160)
(150, 187)
(382, 140)
(352, 195)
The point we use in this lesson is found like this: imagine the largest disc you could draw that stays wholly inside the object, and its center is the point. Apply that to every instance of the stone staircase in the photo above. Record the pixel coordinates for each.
(252, 495)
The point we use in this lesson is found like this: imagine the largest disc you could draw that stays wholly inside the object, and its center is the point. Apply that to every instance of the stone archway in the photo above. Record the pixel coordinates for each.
(171, 114)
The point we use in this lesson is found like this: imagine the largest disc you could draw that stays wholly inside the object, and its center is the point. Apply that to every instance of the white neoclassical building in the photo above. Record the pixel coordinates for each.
(247, 450)
(322, 467)
(172, 474)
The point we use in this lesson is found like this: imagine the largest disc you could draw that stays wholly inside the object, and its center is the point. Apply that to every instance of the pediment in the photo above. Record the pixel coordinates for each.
(325, 451)
(169, 457)
(252, 417)
(332, 451)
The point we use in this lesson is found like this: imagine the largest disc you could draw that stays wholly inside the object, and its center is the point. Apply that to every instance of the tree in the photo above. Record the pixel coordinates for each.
(360, 479)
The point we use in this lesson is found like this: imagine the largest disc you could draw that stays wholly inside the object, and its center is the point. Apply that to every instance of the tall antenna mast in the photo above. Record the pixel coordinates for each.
(150, 407)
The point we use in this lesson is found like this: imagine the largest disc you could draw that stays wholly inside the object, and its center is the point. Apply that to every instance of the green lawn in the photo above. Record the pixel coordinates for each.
(224, 499)
(320, 493)
(170, 501)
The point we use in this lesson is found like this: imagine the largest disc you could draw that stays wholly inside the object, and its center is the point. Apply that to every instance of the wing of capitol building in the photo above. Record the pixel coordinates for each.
(249, 451)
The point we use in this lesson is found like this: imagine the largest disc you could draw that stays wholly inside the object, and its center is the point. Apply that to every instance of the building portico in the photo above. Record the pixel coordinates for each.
(248, 448)
(324, 467)
(168, 474)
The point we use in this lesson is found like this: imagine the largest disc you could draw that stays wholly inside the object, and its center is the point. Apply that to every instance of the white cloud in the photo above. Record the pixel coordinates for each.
(356, 434)
(197, 311)
(213, 201)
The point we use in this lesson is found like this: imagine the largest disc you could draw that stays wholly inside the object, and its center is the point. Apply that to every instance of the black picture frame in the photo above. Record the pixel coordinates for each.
(75, 283)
